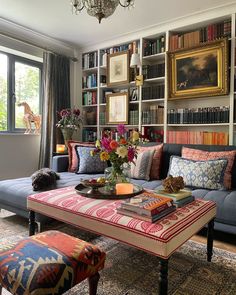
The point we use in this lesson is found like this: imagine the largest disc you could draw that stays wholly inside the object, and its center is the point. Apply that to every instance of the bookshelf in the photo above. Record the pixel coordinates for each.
(150, 108)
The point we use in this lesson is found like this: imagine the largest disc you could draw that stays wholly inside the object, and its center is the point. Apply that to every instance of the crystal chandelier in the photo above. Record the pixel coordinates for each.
(99, 8)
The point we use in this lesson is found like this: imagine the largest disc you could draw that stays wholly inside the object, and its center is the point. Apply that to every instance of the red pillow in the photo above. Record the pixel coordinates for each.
(73, 159)
(199, 155)
(156, 160)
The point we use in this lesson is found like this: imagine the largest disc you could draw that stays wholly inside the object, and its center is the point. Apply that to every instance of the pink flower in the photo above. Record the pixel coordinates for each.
(131, 154)
(106, 144)
(121, 129)
(76, 112)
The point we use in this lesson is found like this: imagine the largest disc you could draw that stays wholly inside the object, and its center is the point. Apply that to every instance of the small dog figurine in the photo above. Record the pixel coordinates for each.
(44, 178)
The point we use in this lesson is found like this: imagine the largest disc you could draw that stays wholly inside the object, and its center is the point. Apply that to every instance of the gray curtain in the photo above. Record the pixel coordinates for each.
(55, 96)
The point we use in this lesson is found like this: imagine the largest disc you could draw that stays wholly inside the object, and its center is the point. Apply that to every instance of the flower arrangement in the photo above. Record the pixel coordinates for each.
(118, 152)
(69, 118)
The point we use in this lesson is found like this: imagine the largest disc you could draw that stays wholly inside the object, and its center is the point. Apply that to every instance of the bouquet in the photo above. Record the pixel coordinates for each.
(69, 118)
(118, 152)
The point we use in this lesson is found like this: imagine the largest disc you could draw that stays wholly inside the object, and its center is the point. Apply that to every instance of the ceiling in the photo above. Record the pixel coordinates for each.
(54, 18)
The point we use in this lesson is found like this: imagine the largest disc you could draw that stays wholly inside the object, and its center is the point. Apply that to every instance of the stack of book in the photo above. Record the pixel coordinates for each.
(180, 199)
(147, 206)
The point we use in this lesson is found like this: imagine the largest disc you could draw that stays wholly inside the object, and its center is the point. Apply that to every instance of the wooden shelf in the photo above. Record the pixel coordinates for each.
(90, 70)
(89, 89)
(157, 56)
(90, 126)
(152, 125)
(153, 80)
(153, 100)
(89, 105)
(198, 125)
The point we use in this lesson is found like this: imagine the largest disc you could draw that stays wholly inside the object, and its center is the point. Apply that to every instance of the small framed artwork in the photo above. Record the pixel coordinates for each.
(118, 68)
(199, 71)
(117, 108)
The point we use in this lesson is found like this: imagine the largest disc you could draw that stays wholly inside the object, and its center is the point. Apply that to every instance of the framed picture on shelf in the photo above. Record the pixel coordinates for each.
(117, 108)
(118, 68)
(199, 71)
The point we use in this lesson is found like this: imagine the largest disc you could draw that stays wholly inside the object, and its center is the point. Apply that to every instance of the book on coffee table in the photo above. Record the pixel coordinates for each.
(184, 193)
(147, 204)
(152, 218)
(183, 202)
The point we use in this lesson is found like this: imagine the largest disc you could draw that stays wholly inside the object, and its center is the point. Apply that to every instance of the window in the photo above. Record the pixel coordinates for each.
(20, 81)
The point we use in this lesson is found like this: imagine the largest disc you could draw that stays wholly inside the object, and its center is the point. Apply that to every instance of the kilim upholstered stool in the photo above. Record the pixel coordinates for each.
(49, 263)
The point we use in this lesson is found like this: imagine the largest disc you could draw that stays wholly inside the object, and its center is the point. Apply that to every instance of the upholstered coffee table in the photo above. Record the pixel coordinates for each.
(99, 216)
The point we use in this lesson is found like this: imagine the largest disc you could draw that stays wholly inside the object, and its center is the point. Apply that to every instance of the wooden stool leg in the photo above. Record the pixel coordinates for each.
(93, 283)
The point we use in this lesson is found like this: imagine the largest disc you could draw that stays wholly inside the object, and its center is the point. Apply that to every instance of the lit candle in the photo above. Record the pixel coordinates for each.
(60, 148)
(124, 188)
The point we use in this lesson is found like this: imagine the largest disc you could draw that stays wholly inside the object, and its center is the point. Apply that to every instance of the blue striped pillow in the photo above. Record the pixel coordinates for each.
(141, 168)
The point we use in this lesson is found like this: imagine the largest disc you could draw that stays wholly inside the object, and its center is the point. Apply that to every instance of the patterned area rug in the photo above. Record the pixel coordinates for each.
(132, 272)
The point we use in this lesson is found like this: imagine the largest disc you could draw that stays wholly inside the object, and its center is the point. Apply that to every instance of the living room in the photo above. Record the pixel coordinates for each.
(195, 110)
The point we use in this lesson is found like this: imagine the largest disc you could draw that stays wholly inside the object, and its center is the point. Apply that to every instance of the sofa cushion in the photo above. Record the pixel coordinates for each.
(200, 155)
(156, 160)
(140, 169)
(73, 158)
(88, 163)
(202, 174)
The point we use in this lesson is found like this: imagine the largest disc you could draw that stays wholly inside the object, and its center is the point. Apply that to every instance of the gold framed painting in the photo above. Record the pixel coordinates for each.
(118, 68)
(199, 71)
(117, 108)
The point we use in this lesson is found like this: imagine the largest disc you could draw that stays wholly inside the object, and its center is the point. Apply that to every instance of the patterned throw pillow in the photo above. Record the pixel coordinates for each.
(156, 160)
(73, 159)
(199, 155)
(141, 168)
(202, 174)
(88, 163)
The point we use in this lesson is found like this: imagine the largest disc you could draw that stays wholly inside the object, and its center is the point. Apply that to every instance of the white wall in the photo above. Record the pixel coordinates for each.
(19, 153)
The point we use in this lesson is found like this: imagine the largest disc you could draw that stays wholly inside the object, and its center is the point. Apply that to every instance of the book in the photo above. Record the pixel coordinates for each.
(147, 203)
(153, 218)
(175, 196)
(183, 202)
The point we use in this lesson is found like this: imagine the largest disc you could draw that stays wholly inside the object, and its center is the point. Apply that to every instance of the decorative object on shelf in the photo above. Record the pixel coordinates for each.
(199, 71)
(60, 148)
(173, 184)
(30, 117)
(117, 108)
(135, 63)
(99, 8)
(118, 68)
(120, 153)
(69, 122)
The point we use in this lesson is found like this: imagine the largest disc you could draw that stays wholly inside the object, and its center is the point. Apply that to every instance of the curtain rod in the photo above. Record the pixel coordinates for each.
(74, 59)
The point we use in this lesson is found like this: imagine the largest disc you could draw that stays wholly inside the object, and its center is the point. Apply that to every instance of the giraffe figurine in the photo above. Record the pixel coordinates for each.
(30, 117)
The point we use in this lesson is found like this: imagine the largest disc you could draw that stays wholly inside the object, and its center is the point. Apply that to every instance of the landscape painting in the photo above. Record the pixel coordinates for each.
(200, 71)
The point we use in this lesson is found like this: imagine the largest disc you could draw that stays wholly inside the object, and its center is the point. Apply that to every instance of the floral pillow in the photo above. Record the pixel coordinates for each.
(199, 174)
(73, 158)
(87, 163)
(199, 155)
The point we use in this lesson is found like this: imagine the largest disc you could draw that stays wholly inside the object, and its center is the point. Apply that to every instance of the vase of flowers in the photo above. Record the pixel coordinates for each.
(120, 153)
(68, 123)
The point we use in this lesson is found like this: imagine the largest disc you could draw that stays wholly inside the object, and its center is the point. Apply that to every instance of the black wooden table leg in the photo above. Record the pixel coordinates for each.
(32, 223)
(210, 237)
(163, 277)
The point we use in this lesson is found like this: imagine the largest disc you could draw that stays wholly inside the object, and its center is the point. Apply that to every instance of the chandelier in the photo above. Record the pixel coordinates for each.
(99, 8)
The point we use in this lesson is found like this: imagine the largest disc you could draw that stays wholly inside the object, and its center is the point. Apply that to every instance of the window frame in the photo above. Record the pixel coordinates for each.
(11, 98)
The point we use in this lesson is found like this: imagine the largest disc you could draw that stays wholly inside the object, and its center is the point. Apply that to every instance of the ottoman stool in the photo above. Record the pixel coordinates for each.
(49, 263)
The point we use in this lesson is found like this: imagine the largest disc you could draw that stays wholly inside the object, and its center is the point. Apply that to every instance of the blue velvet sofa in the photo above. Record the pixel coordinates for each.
(14, 192)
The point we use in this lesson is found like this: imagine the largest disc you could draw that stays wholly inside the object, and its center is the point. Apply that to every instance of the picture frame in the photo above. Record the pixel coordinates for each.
(117, 108)
(199, 71)
(118, 68)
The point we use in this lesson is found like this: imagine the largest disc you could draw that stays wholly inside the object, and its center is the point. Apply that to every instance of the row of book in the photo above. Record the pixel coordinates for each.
(89, 81)
(153, 92)
(198, 137)
(102, 118)
(133, 117)
(198, 115)
(152, 206)
(155, 115)
(154, 46)
(89, 135)
(205, 34)
(89, 60)
(153, 71)
(152, 134)
(89, 98)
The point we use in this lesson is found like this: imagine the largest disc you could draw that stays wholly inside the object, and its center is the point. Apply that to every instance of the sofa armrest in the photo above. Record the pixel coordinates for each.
(60, 163)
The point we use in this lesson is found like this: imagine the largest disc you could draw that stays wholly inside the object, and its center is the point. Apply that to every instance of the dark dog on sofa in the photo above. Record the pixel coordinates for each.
(44, 178)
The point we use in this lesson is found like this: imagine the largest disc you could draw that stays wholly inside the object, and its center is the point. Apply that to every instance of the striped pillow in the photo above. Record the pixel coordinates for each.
(199, 155)
(141, 168)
